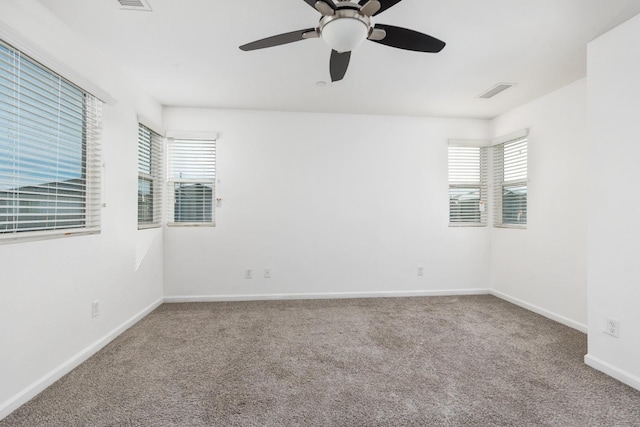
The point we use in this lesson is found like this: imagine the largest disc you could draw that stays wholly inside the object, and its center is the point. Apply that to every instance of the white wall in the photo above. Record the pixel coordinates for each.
(337, 205)
(46, 287)
(614, 231)
(544, 267)
(333, 204)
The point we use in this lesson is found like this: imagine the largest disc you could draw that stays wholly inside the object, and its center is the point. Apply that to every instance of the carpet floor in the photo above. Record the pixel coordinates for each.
(432, 361)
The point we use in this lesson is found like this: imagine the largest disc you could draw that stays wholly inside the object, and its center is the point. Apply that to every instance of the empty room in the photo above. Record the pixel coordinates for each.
(319, 212)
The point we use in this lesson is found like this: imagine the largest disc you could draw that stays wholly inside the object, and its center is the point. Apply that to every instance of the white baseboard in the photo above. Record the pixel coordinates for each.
(612, 371)
(328, 295)
(37, 387)
(541, 311)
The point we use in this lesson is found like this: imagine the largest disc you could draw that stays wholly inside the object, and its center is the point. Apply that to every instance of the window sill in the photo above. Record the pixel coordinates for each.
(34, 236)
(514, 226)
(191, 224)
(148, 226)
(466, 224)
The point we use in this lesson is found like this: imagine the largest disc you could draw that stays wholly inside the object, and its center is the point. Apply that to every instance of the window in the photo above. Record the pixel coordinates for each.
(510, 183)
(149, 178)
(191, 181)
(467, 185)
(49, 151)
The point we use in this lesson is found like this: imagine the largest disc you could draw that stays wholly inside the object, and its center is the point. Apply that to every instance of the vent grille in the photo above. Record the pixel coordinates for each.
(135, 5)
(499, 88)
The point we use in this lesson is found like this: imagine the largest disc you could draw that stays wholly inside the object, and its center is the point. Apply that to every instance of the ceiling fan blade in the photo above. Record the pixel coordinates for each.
(403, 38)
(384, 5)
(339, 64)
(280, 39)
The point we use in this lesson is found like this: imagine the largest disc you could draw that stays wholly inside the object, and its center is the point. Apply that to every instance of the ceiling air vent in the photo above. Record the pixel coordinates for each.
(135, 5)
(500, 87)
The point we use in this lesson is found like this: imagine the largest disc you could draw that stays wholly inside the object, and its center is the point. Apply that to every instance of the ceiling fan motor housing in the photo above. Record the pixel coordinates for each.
(346, 29)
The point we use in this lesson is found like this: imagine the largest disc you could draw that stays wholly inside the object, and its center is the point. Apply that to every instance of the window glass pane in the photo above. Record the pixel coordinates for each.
(193, 202)
(43, 148)
(467, 184)
(145, 201)
(191, 176)
(514, 204)
(464, 205)
(149, 177)
(510, 183)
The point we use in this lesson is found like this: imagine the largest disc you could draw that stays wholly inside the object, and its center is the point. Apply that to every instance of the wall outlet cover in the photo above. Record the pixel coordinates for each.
(95, 308)
(612, 327)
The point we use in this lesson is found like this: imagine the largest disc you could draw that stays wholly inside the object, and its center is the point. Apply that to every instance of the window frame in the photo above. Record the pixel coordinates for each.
(459, 172)
(88, 154)
(204, 175)
(517, 168)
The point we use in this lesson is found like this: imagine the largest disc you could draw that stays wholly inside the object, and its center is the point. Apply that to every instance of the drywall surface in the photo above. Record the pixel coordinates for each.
(544, 266)
(46, 287)
(332, 204)
(614, 232)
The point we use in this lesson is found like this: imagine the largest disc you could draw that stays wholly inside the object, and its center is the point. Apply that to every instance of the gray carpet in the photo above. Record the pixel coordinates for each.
(435, 361)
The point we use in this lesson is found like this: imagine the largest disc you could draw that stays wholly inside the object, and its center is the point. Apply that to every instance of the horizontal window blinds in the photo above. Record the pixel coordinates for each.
(50, 160)
(191, 176)
(510, 183)
(149, 178)
(468, 178)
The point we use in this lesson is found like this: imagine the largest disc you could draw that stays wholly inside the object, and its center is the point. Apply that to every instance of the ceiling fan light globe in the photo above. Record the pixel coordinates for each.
(345, 34)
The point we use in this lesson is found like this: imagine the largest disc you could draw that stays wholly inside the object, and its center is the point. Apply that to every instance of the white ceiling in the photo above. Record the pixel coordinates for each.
(185, 53)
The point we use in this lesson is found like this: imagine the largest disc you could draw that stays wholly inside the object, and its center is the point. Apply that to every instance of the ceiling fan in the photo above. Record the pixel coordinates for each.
(344, 25)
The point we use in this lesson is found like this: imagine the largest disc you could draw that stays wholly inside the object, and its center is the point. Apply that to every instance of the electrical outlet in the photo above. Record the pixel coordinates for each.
(612, 327)
(95, 308)
(420, 271)
(267, 273)
(248, 274)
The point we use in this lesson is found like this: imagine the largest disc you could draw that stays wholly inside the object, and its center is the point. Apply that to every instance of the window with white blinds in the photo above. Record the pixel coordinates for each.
(50, 159)
(149, 178)
(510, 183)
(467, 185)
(191, 181)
